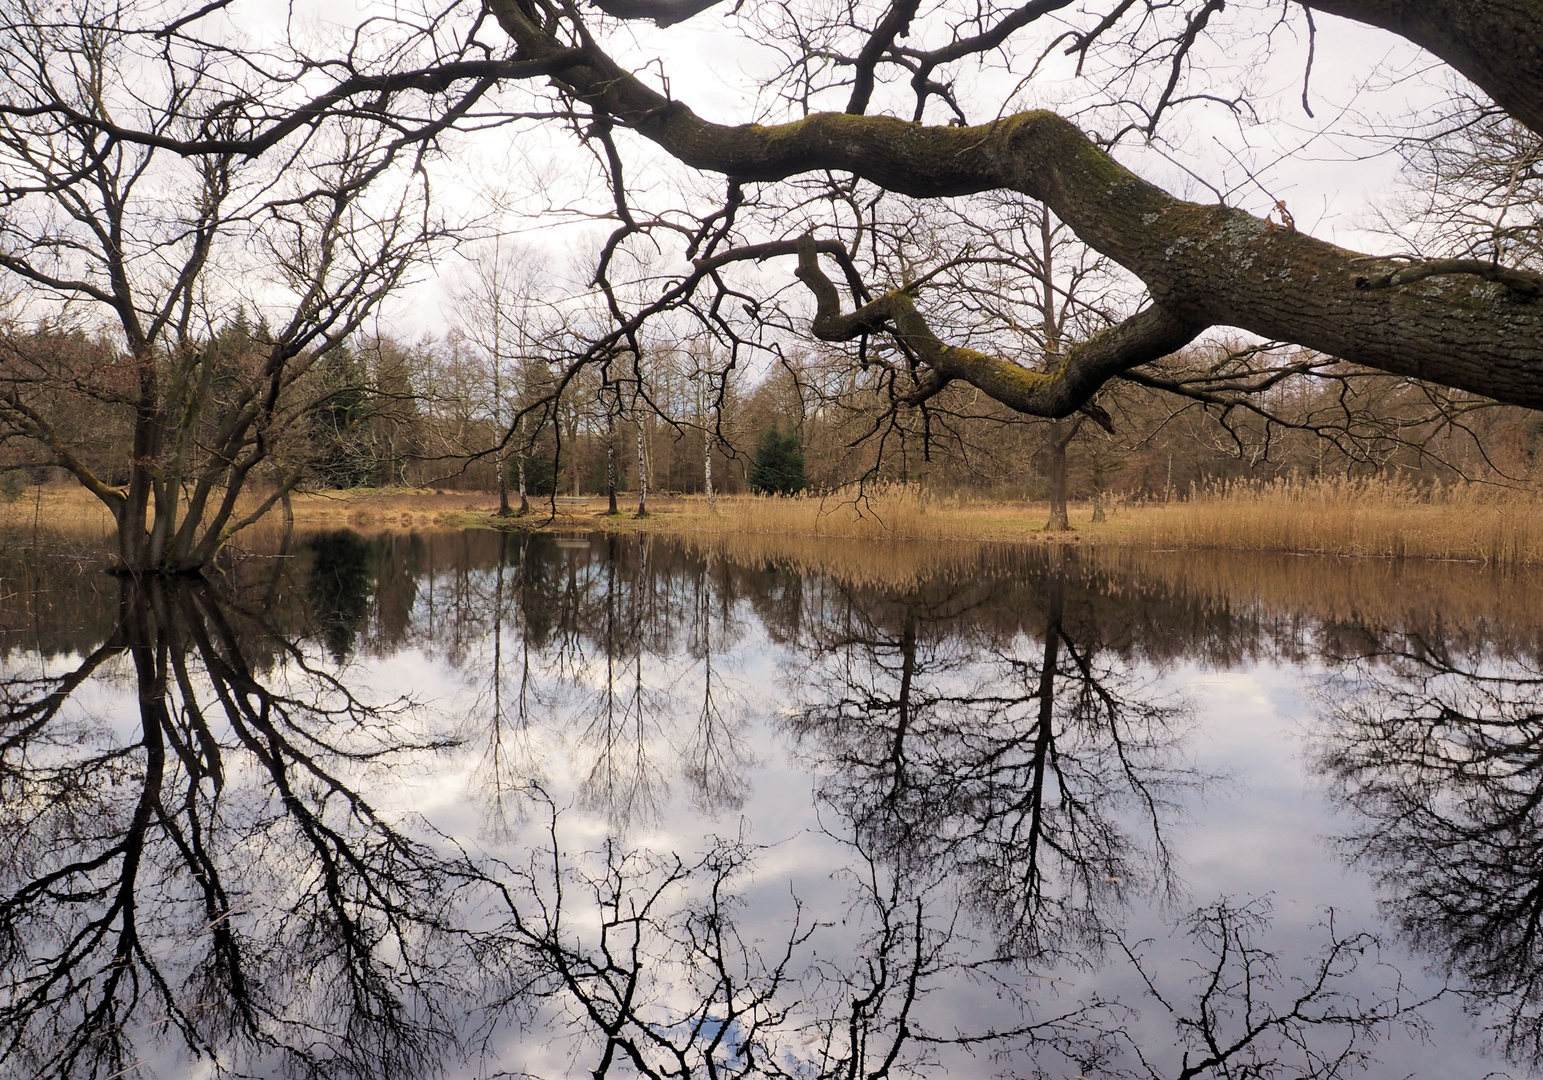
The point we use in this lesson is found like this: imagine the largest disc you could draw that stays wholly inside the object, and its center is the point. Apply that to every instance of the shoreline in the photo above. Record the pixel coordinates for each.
(1348, 519)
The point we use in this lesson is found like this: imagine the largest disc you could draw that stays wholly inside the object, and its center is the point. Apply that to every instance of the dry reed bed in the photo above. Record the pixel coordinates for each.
(1356, 518)
(1359, 518)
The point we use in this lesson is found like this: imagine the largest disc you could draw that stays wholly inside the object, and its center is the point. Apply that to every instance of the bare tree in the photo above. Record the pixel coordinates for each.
(1436, 745)
(1203, 266)
(497, 309)
(1466, 323)
(166, 250)
(135, 896)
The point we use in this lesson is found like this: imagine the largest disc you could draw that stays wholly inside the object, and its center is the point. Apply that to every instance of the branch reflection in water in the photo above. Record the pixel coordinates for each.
(1437, 745)
(211, 869)
(649, 810)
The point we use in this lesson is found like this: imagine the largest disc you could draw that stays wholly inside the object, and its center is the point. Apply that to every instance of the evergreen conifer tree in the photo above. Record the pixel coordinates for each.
(778, 466)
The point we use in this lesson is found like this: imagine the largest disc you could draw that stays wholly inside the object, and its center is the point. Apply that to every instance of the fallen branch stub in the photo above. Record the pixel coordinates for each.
(1518, 281)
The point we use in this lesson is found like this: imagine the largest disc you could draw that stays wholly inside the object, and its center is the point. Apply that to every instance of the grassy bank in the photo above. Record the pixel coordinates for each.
(1368, 519)
(65, 507)
(1375, 519)
(1365, 519)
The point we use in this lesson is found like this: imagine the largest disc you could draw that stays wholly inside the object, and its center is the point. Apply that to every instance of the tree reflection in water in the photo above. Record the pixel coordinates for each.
(1044, 772)
(214, 875)
(1439, 751)
(210, 868)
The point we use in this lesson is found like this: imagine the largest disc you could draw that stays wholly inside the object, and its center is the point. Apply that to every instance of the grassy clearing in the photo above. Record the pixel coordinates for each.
(891, 512)
(1355, 518)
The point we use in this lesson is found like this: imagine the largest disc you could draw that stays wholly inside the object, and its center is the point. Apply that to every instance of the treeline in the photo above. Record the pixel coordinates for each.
(1344, 422)
(446, 413)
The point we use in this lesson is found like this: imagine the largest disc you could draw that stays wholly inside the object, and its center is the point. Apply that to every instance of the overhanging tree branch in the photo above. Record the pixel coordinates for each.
(1147, 336)
(1203, 265)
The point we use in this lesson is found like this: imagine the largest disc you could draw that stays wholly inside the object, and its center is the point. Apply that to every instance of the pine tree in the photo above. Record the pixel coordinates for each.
(778, 466)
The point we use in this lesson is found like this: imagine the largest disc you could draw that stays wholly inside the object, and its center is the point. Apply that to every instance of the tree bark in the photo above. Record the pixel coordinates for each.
(1061, 435)
(1059, 521)
(1496, 43)
(610, 463)
(642, 469)
(520, 466)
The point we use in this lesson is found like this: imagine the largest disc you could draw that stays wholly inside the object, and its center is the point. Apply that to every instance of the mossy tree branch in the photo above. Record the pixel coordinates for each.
(34, 425)
(1203, 265)
(1066, 389)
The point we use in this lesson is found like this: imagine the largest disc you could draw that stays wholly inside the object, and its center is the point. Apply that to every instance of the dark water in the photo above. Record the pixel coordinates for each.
(485, 805)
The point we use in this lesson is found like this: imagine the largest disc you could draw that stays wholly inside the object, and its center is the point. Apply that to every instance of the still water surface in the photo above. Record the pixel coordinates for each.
(493, 805)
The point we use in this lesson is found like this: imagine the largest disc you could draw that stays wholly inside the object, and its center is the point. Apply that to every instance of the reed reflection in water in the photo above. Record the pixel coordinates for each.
(480, 803)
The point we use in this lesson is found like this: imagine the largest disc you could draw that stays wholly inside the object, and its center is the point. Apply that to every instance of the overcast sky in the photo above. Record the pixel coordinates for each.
(1330, 168)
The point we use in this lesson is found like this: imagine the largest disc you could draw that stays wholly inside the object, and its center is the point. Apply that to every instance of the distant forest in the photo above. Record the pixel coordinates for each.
(384, 412)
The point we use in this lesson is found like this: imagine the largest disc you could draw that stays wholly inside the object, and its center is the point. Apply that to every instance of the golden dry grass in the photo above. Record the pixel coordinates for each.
(58, 508)
(392, 508)
(70, 508)
(1360, 518)
(884, 512)
(1353, 518)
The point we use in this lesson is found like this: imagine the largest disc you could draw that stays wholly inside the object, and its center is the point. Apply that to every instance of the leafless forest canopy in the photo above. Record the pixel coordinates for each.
(212, 215)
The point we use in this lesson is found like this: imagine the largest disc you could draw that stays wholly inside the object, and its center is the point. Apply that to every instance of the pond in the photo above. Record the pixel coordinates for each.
(483, 804)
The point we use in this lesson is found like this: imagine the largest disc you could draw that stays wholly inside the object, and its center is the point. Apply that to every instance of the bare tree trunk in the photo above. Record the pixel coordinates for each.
(520, 464)
(573, 441)
(707, 469)
(1062, 432)
(1059, 521)
(500, 456)
(642, 467)
(610, 462)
